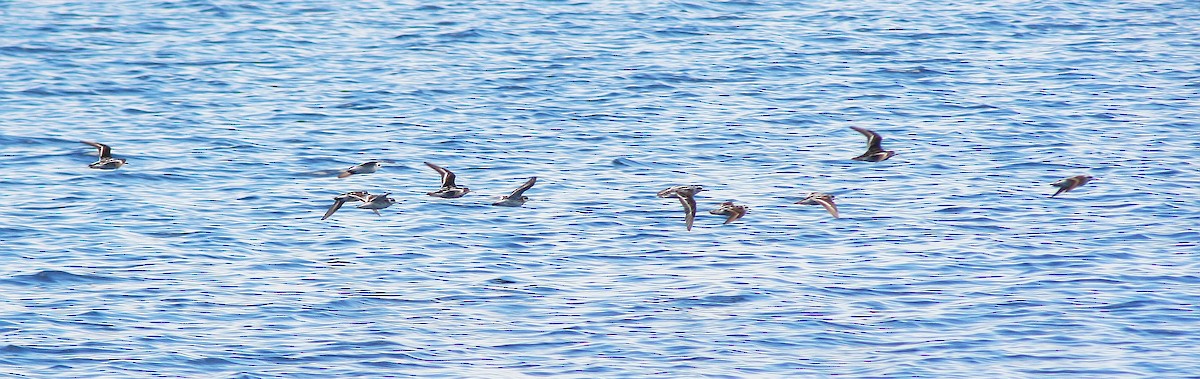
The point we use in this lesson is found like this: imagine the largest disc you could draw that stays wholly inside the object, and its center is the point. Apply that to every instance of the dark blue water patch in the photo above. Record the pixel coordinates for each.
(517, 347)
(38, 50)
(1158, 332)
(682, 31)
(912, 72)
(96, 29)
(210, 362)
(57, 277)
(371, 302)
(136, 111)
(84, 351)
(1076, 372)
(48, 91)
(502, 281)
(469, 35)
(298, 116)
(713, 301)
(364, 105)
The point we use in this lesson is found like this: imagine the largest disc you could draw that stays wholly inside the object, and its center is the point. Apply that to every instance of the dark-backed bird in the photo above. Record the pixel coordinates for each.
(1071, 183)
(361, 168)
(686, 196)
(734, 212)
(106, 162)
(875, 151)
(825, 200)
(517, 197)
(449, 190)
(342, 199)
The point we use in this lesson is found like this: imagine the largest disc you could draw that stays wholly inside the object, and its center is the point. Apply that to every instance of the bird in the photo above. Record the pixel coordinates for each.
(448, 190)
(361, 168)
(517, 198)
(342, 199)
(734, 212)
(106, 162)
(825, 200)
(670, 192)
(686, 196)
(1071, 183)
(376, 202)
(875, 151)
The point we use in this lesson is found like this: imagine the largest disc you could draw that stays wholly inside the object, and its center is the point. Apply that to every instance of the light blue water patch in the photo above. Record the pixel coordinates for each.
(206, 255)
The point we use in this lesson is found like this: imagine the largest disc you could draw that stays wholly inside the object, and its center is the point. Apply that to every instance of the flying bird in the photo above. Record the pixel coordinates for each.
(734, 212)
(342, 199)
(686, 196)
(670, 192)
(376, 202)
(825, 200)
(369, 201)
(875, 151)
(449, 190)
(361, 168)
(106, 162)
(517, 198)
(1071, 183)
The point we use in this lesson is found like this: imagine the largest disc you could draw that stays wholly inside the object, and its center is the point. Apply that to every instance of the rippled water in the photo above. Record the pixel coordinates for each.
(206, 255)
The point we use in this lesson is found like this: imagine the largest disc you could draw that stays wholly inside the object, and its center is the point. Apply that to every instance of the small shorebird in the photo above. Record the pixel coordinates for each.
(686, 196)
(361, 168)
(670, 192)
(448, 190)
(106, 162)
(875, 151)
(372, 202)
(825, 200)
(1071, 183)
(734, 212)
(516, 198)
(376, 202)
(342, 199)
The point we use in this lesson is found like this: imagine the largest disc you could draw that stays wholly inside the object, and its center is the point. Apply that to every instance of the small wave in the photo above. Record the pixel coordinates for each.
(714, 300)
(56, 277)
(45, 91)
(300, 116)
(913, 71)
(362, 105)
(501, 281)
(625, 162)
(533, 346)
(18, 50)
(210, 362)
(464, 34)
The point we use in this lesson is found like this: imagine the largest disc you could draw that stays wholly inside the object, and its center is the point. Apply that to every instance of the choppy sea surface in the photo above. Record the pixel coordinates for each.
(206, 255)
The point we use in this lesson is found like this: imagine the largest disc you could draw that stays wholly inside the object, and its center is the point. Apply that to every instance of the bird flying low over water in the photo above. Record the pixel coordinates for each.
(449, 190)
(670, 192)
(825, 200)
(686, 196)
(517, 198)
(1071, 183)
(361, 168)
(342, 199)
(106, 162)
(875, 151)
(369, 201)
(376, 202)
(734, 212)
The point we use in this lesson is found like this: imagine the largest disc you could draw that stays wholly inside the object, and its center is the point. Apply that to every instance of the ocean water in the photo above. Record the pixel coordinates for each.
(206, 255)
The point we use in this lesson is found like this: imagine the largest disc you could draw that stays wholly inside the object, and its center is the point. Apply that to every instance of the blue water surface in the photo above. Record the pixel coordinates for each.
(206, 255)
